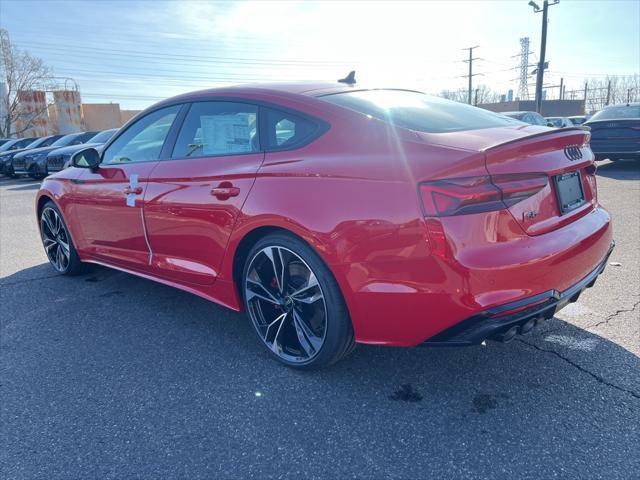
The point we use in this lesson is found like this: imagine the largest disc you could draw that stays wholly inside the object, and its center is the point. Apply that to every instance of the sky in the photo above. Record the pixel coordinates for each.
(138, 52)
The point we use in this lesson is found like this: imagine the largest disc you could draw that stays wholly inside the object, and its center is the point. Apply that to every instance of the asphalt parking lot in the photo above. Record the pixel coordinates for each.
(112, 376)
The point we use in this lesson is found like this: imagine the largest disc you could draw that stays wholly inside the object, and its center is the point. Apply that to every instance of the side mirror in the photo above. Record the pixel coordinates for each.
(87, 158)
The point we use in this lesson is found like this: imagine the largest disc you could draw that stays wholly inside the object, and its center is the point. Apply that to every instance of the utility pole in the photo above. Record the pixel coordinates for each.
(561, 94)
(543, 48)
(471, 74)
(586, 89)
(608, 92)
(476, 99)
(629, 95)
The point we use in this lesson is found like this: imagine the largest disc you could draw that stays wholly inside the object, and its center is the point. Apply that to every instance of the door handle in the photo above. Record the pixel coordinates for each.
(130, 190)
(225, 190)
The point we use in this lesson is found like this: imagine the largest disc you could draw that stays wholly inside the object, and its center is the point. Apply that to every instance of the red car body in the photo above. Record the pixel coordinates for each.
(357, 195)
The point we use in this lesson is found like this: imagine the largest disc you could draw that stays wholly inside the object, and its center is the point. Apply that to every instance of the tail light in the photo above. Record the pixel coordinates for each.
(591, 171)
(462, 196)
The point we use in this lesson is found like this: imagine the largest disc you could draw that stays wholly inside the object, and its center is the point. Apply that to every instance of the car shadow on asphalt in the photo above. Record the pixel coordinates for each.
(158, 349)
(620, 170)
(126, 294)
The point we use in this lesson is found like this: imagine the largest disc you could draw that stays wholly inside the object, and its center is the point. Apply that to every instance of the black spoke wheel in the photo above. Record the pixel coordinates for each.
(294, 303)
(57, 242)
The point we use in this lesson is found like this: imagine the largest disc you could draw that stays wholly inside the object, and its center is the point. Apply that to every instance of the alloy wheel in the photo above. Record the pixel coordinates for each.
(55, 239)
(286, 304)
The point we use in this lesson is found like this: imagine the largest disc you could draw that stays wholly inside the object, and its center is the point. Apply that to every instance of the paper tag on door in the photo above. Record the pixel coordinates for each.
(131, 197)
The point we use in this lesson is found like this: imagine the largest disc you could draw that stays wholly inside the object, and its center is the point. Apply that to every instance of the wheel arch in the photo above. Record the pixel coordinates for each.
(245, 241)
(246, 237)
(42, 199)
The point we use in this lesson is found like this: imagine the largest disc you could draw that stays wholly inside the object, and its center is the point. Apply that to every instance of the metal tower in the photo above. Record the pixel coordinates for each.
(523, 88)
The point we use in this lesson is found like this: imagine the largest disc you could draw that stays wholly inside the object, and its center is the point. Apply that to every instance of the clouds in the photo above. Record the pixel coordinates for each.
(119, 50)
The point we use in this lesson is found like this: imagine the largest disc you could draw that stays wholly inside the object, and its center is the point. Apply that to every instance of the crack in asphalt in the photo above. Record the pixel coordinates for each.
(613, 315)
(588, 327)
(582, 369)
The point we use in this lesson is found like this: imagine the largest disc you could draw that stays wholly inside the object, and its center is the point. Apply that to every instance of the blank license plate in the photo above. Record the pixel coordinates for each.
(570, 194)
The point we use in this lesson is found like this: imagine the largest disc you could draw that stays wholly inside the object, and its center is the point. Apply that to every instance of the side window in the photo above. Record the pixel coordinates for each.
(287, 130)
(142, 141)
(218, 128)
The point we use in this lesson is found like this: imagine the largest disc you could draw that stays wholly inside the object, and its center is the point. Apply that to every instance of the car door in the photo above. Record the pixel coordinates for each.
(194, 197)
(107, 203)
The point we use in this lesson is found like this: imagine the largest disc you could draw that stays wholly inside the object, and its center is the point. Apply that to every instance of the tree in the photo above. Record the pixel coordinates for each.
(19, 72)
(613, 89)
(482, 94)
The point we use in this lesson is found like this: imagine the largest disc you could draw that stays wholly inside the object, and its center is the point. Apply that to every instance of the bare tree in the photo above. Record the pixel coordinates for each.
(611, 90)
(20, 72)
(482, 94)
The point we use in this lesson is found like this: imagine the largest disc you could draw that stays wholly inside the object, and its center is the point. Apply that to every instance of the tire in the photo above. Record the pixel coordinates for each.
(295, 304)
(55, 235)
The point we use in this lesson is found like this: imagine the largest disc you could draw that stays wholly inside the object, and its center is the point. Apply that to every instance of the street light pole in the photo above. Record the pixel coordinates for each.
(543, 48)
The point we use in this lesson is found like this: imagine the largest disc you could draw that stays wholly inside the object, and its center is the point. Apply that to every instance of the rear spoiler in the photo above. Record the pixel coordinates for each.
(537, 135)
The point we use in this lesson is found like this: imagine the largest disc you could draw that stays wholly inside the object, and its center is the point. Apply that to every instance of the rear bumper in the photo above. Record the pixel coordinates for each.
(409, 299)
(524, 314)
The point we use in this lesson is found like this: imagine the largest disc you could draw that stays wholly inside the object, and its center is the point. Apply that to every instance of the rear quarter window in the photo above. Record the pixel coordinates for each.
(287, 130)
(417, 111)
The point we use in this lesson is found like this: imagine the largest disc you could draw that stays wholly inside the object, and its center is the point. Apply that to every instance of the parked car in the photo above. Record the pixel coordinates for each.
(532, 118)
(11, 146)
(59, 159)
(334, 215)
(3, 141)
(32, 162)
(16, 143)
(615, 132)
(6, 158)
(558, 122)
(578, 120)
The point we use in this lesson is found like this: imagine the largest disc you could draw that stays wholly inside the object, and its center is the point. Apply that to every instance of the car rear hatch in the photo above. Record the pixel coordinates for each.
(609, 136)
(558, 167)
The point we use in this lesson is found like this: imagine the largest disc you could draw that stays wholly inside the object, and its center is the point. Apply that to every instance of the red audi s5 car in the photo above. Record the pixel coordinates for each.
(336, 215)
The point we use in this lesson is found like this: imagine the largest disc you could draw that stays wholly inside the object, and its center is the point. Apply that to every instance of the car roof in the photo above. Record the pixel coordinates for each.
(274, 89)
(632, 104)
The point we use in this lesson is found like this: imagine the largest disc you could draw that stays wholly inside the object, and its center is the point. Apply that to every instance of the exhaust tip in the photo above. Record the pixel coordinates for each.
(508, 335)
(527, 326)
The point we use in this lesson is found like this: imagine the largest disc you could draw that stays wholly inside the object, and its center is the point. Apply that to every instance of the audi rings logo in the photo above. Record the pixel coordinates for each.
(573, 152)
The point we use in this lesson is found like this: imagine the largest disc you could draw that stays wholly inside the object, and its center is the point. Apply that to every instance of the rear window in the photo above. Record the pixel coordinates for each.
(417, 111)
(616, 113)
